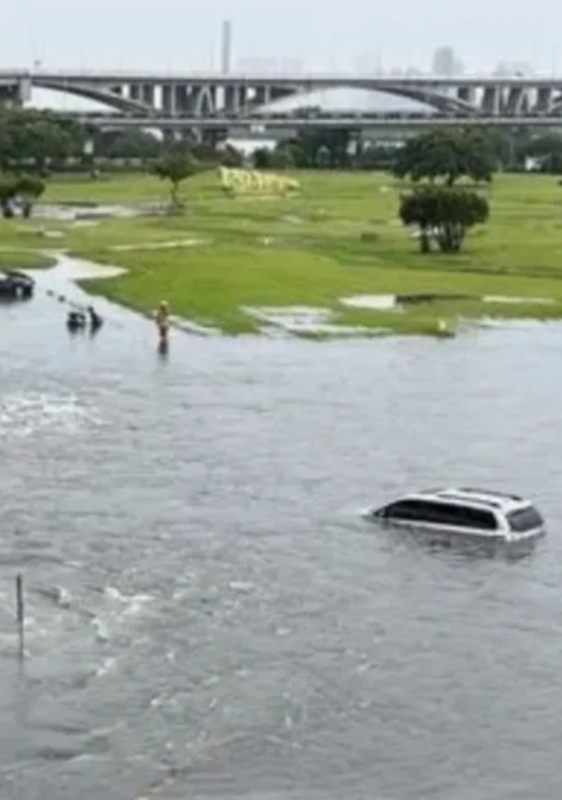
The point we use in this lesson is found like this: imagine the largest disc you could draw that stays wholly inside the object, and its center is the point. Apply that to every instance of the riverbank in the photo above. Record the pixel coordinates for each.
(334, 259)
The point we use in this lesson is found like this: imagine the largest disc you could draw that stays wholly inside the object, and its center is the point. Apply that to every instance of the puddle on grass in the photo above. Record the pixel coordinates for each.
(545, 301)
(72, 269)
(305, 320)
(87, 212)
(389, 302)
(168, 245)
(375, 302)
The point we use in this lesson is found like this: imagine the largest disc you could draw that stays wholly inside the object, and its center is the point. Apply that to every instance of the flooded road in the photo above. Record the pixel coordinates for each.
(207, 614)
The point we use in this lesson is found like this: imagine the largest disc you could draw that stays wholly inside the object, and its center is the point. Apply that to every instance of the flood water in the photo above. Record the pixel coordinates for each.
(207, 615)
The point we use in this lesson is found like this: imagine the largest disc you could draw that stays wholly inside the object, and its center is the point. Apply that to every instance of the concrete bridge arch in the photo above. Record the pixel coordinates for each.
(105, 96)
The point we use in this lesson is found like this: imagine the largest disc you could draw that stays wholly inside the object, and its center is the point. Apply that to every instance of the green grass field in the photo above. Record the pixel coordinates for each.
(341, 236)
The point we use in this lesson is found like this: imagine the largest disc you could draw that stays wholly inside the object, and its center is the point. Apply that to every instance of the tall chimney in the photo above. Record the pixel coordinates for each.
(226, 46)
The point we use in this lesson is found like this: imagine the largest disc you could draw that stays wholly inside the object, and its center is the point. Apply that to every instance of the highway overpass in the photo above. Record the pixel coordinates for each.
(156, 94)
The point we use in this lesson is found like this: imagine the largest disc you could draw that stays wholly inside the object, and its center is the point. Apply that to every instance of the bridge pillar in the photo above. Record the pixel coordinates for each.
(544, 99)
(182, 100)
(15, 92)
(263, 96)
(514, 100)
(134, 91)
(242, 92)
(148, 94)
(168, 100)
(491, 100)
(230, 99)
(467, 94)
(203, 100)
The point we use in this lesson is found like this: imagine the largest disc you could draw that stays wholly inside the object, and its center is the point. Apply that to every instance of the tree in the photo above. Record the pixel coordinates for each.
(547, 150)
(8, 191)
(127, 144)
(32, 140)
(262, 158)
(449, 155)
(315, 148)
(175, 166)
(29, 189)
(444, 214)
(229, 156)
(375, 157)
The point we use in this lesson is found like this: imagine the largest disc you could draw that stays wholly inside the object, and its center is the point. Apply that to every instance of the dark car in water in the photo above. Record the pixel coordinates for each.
(16, 285)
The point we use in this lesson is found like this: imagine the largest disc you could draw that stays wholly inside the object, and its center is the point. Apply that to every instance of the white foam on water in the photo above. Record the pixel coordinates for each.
(102, 632)
(131, 605)
(242, 587)
(136, 604)
(106, 667)
(194, 327)
(57, 595)
(25, 413)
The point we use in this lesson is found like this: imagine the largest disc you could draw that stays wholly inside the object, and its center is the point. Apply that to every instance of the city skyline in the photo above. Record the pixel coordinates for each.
(120, 34)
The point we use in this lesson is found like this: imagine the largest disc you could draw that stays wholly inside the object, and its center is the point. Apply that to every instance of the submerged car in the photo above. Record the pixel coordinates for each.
(16, 285)
(477, 516)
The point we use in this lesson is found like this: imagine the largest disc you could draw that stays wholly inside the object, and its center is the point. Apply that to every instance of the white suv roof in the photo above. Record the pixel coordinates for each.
(480, 498)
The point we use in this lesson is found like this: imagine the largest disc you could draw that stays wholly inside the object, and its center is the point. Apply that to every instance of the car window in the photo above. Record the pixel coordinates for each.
(526, 519)
(403, 509)
(435, 513)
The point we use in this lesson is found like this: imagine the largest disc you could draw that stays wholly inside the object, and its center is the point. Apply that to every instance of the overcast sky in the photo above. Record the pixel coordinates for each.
(320, 34)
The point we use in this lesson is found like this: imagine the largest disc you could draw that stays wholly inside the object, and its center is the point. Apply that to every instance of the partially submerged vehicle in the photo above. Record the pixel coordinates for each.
(466, 516)
(77, 320)
(16, 285)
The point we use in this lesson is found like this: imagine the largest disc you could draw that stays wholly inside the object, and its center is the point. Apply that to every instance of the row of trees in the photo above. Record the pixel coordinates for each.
(31, 143)
(36, 141)
(436, 164)
(337, 149)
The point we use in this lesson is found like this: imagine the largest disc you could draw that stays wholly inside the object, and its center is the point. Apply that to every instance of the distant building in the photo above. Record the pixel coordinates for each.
(513, 69)
(445, 64)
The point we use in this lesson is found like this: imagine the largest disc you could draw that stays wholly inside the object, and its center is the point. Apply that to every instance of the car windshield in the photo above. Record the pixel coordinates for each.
(526, 519)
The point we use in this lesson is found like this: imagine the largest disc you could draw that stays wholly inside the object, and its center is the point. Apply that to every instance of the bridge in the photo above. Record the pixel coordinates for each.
(279, 125)
(210, 101)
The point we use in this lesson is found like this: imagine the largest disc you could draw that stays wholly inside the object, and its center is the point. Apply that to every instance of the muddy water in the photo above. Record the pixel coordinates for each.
(207, 614)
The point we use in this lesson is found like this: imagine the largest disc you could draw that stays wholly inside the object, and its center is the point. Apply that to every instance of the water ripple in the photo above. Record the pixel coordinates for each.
(207, 613)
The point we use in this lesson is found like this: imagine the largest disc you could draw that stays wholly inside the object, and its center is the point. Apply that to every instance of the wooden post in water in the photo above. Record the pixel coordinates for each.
(20, 615)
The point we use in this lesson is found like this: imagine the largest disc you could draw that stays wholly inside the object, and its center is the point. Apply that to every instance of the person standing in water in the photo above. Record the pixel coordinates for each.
(95, 320)
(163, 321)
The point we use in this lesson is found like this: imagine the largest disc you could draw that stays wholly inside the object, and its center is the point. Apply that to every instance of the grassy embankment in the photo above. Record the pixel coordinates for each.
(339, 237)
